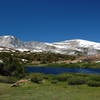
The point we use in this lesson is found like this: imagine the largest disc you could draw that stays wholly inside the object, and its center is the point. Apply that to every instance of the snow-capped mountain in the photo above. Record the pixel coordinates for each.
(71, 47)
(11, 42)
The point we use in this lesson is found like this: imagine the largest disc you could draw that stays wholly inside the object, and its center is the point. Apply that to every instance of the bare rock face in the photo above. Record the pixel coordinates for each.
(70, 47)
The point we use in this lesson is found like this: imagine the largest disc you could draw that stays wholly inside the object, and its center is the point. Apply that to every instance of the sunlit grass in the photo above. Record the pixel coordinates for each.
(48, 91)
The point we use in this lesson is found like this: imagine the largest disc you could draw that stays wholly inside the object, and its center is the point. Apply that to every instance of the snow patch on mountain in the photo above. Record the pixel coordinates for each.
(70, 47)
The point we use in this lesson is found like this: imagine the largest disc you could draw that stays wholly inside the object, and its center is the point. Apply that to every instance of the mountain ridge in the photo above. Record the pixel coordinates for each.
(70, 47)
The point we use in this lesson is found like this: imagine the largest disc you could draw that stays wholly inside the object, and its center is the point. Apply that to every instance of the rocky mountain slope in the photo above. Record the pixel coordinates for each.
(70, 47)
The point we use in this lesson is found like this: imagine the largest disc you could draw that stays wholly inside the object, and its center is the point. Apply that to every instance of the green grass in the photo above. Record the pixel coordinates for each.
(55, 65)
(72, 65)
(48, 91)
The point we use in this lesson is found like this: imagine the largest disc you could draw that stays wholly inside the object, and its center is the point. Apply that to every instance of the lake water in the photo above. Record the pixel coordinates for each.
(60, 70)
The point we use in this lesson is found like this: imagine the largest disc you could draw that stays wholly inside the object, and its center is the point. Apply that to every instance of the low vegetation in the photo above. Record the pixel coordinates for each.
(48, 91)
(37, 77)
(71, 65)
(46, 60)
(8, 79)
(75, 88)
(93, 83)
(77, 81)
(11, 66)
(38, 86)
(62, 77)
(69, 78)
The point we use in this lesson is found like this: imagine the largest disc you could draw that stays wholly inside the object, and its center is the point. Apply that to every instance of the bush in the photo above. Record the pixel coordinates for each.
(94, 77)
(54, 81)
(93, 83)
(76, 81)
(37, 77)
(63, 77)
(12, 67)
(49, 77)
(80, 75)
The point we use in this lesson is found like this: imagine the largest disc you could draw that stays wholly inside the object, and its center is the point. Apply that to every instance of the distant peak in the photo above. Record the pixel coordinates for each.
(74, 40)
(79, 40)
(6, 36)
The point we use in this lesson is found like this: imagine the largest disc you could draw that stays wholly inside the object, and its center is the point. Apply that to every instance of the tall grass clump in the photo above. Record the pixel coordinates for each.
(37, 77)
(63, 77)
(77, 81)
(93, 83)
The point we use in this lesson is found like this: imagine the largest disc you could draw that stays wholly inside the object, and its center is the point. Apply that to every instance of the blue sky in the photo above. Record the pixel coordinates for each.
(50, 20)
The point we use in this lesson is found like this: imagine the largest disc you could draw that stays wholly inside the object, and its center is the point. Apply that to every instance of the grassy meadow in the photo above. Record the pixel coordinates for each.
(60, 87)
(60, 91)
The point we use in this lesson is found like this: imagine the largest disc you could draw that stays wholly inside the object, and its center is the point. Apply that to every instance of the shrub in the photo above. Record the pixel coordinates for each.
(94, 77)
(76, 81)
(12, 67)
(54, 81)
(63, 77)
(37, 77)
(49, 76)
(80, 75)
(93, 83)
